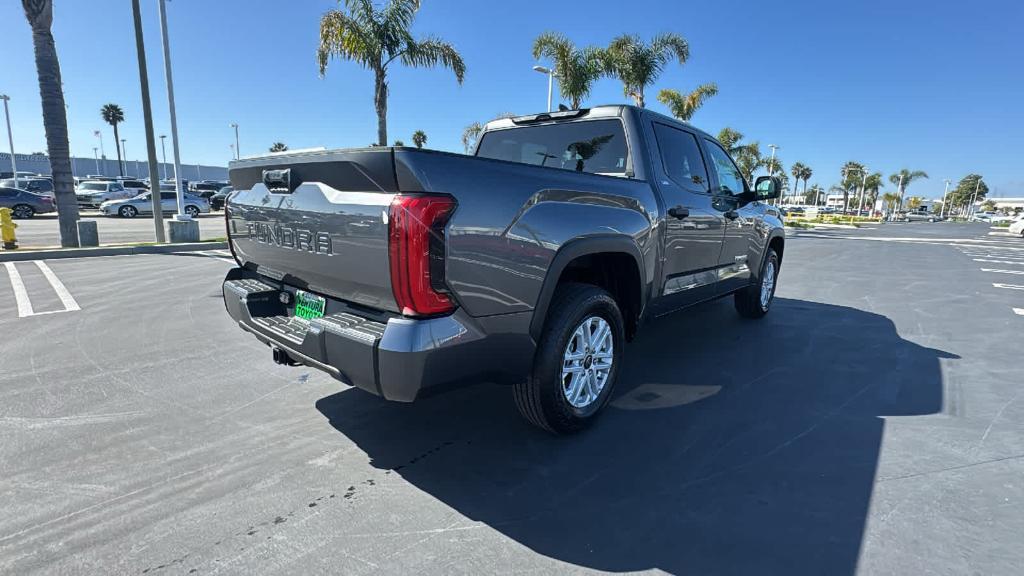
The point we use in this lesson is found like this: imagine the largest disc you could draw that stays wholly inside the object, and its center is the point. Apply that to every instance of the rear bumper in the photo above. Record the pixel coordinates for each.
(397, 358)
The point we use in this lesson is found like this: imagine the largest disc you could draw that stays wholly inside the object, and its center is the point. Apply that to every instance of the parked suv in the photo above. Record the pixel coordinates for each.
(404, 271)
(91, 194)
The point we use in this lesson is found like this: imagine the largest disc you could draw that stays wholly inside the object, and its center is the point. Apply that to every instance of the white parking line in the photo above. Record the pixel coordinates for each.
(996, 261)
(62, 292)
(1008, 286)
(1018, 311)
(997, 271)
(20, 294)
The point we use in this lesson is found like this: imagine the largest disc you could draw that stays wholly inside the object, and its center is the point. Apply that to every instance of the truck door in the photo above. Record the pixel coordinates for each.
(740, 255)
(693, 230)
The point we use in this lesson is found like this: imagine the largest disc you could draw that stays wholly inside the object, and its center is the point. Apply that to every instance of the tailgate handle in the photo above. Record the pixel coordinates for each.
(278, 181)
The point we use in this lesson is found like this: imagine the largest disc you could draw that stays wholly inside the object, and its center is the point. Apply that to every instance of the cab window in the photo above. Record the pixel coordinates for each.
(730, 179)
(680, 154)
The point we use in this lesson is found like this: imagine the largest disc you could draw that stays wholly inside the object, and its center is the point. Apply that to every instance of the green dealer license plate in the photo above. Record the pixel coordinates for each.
(308, 305)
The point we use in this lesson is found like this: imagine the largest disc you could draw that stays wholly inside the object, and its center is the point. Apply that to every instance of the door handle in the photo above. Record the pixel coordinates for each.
(731, 215)
(679, 212)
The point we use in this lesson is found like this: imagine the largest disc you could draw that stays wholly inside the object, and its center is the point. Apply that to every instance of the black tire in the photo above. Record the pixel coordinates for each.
(541, 398)
(748, 301)
(192, 211)
(22, 212)
(127, 211)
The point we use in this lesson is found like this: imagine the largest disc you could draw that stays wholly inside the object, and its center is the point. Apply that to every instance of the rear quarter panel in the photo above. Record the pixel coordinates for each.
(513, 218)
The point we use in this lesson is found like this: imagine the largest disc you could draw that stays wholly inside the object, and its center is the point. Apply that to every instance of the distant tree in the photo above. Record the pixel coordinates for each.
(988, 206)
(684, 107)
(914, 202)
(577, 68)
(805, 175)
(419, 138)
(813, 195)
(39, 154)
(748, 159)
(963, 194)
(113, 115)
(852, 174)
(797, 170)
(377, 37)
(730, 140)
(638, 65)
(279, 147)
(889, 200)
(905, 178)
(871, 185)
(398, 143)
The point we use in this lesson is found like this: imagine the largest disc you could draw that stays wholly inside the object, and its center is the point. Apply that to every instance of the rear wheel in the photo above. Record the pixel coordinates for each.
(577, 360)
(22, 211)
(755, 300)
(192, 211)
(127, 212)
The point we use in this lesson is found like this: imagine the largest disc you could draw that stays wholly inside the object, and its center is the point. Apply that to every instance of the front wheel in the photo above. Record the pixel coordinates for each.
(755, 300)
(577, 361)
(22, 211)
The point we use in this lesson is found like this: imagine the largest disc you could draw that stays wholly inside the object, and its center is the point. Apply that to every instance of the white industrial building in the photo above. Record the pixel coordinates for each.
(40, 164)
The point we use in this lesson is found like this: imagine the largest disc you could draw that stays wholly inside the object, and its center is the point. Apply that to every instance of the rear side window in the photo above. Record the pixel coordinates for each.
(8, 192)
(597, 146)
(168, 196)
(680, 154)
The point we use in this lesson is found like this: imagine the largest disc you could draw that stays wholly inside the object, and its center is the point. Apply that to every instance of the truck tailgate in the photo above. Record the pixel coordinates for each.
(317, 221)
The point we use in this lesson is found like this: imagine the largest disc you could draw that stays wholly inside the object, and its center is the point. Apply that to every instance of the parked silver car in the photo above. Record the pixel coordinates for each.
(142, 204)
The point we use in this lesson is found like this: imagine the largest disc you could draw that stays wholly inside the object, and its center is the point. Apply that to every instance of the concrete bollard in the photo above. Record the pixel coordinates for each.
(88, 234)
(179, 231)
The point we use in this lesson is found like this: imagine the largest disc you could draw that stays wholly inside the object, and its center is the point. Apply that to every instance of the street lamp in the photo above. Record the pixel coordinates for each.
(551, 76)
(863, 188)
(96, 155)
(10, 138)
(174, 119)
(238, 149)
(771, 164)
(232, 146)
(124, 157)
(942, 214)
(970, 211)
(164, 151)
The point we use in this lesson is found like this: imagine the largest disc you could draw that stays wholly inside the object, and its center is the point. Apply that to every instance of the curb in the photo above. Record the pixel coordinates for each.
(59, 253)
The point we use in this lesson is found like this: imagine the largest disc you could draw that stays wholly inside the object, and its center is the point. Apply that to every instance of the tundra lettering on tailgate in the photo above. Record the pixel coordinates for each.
(294, 238)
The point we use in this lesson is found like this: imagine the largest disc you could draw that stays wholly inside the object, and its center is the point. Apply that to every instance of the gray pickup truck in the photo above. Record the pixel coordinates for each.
(531, 263)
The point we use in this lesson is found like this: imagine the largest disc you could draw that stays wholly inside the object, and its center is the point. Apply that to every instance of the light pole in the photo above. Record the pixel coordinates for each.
(96, 155)
(103, 153)
(174, 119)
(771, 164)
(10, 138)
(945, 192)
(551, 80)
(164, 151)
(863, 188)
(232, 146)
(238, 149)
(899, 192)
(124, 157)
(970, 211)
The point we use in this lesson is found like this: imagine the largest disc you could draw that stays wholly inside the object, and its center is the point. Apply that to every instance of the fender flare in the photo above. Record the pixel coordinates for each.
(570, 251)
(775, 233)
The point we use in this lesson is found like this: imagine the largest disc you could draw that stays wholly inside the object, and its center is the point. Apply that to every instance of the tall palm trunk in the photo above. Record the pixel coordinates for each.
(117, 144)
(40, 17)
(638, 96)
(380, 100)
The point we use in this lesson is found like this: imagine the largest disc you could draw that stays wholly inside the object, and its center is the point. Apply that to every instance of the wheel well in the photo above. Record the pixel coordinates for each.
(616, 272)
(777, 244)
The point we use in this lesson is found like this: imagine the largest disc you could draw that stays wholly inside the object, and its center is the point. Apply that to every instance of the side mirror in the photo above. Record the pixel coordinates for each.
(767, 188)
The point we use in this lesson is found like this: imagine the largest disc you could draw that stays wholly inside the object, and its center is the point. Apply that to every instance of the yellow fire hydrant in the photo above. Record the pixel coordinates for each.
(7, 227)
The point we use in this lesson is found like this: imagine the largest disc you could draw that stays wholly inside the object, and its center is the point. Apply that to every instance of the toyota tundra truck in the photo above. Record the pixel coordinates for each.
(531, 262)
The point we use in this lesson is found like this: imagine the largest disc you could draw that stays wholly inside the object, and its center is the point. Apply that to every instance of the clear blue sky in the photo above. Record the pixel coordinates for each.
(934, 86)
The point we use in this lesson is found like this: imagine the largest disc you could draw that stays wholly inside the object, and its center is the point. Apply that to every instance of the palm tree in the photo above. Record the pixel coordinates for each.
(889, 200)
(797, 170)
(852, 173)
(398, 143)
(375, 39)
(576, 68)
(638, 65)
(113, 115)
(279, 147)
(871, 186)
(684, 107)
(730, 140)
(419, 138)
(748, 160)
(902, 179)
(805, 176)
(55, 123)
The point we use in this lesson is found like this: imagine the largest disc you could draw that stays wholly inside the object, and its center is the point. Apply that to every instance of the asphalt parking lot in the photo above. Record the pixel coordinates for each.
(870, 424)
(42, 230)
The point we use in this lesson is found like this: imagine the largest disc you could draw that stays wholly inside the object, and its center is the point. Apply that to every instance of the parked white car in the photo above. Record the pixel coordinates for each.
(1017, 227)
(92, 194)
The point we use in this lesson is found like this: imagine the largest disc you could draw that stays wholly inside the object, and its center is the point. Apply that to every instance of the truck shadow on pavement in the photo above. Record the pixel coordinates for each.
(731, 447)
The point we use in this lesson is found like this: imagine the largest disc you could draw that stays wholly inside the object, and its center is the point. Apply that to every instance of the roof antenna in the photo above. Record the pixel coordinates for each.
(563, 108)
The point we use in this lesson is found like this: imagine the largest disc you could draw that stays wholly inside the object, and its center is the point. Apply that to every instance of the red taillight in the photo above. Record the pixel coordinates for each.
(416, 251)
